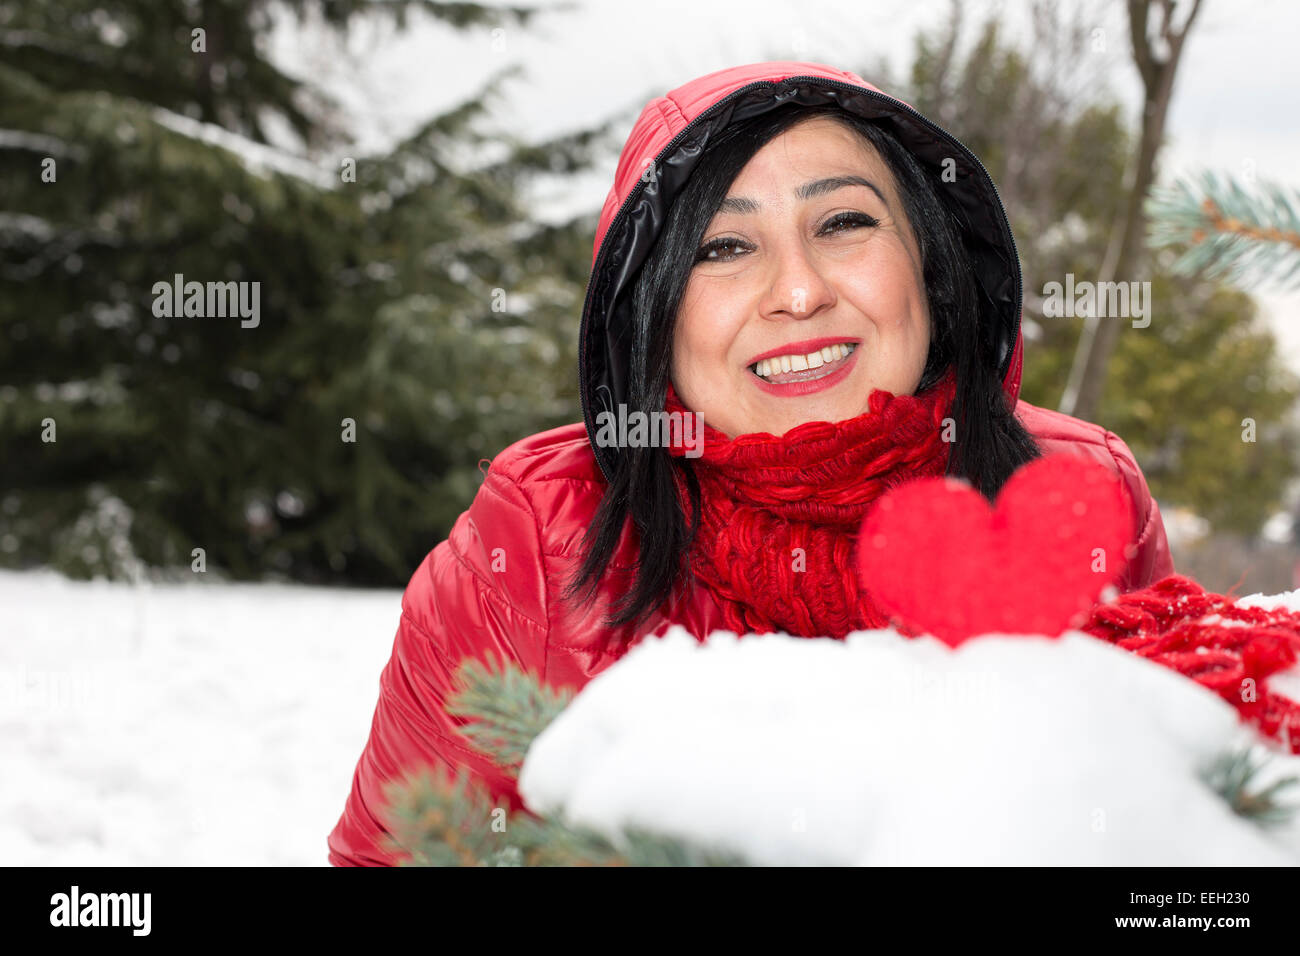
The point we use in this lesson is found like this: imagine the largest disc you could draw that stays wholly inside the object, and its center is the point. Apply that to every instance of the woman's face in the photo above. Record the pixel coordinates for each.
(810, 254)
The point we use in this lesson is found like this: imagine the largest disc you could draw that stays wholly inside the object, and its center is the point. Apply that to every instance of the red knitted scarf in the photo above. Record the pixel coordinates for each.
(780, 515)
(1230, 650)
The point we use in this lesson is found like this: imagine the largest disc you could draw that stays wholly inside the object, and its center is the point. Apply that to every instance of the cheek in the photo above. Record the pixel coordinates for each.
(692, 343)
(704, 332)
(890, 274)
(888, 289)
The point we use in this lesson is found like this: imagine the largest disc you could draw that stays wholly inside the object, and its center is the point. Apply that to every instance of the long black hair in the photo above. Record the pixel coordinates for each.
(990, 443)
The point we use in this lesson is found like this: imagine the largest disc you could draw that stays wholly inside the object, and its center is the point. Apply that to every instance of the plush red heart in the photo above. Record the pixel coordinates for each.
(934, 554)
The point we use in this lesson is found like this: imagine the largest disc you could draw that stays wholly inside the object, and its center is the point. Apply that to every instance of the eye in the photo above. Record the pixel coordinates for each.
(848, 220)
(837, 223)
(705, 252)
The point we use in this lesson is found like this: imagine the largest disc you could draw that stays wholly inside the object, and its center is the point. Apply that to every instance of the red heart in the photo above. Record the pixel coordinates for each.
(933, 552)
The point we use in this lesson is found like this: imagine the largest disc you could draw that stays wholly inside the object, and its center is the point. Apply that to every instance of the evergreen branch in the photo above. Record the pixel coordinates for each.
(437, 822)
(1233, 776)
(507, 709)
(644, 848)
(1225, 231)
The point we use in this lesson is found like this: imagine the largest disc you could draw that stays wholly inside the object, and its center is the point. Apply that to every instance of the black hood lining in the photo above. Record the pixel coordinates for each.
(605, 334)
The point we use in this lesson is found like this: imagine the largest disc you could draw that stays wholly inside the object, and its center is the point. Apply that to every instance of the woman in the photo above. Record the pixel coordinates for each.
(845, 297)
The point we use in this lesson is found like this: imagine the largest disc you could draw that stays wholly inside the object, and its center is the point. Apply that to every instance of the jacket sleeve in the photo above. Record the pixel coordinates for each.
(1152, 559)
(479, 594)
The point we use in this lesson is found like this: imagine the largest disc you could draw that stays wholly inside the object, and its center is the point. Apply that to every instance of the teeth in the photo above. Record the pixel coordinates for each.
(800, 363)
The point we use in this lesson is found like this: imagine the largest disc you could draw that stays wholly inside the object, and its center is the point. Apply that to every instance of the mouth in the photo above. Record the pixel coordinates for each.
(795, 367)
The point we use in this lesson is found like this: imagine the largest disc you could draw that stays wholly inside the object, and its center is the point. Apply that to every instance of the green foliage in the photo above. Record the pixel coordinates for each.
(433, 820)
(148, 52)
(420, 301)
(436, 822)
(1185, 388)
(1226, 231)
(507, 709)
(1235, 777)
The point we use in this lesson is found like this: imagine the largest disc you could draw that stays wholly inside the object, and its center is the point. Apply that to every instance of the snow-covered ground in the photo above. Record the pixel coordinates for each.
(211, 724)
(219, 724)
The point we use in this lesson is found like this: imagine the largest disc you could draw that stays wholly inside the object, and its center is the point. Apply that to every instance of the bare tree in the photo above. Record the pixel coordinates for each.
(1156, 53)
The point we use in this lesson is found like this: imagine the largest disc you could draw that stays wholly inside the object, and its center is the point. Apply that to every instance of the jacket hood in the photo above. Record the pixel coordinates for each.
(671, 132)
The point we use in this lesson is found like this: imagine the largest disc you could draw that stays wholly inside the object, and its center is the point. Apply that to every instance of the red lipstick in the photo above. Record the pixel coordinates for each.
(811, 380)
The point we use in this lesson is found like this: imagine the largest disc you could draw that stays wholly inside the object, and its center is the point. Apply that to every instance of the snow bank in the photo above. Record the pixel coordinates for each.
(884, 750)
(210, 724)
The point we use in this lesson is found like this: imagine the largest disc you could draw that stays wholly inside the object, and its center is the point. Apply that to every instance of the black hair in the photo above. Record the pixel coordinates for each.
(990, 443)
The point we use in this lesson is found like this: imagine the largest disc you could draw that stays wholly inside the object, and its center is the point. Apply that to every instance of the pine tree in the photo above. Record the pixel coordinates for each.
(413, 316)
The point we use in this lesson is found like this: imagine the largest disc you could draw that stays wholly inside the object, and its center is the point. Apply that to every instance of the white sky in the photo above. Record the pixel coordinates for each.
(1234, 106)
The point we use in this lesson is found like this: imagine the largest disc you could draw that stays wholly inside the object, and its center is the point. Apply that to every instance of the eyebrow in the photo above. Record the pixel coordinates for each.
(809, 190)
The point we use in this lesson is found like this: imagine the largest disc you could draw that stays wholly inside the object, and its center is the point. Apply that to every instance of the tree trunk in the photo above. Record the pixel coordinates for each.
(1124, 254)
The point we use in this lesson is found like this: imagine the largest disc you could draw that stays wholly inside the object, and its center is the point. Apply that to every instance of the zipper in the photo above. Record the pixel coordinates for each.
(894, 104)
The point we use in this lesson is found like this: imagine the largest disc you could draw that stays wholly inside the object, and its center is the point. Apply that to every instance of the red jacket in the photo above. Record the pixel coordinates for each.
(492, 589)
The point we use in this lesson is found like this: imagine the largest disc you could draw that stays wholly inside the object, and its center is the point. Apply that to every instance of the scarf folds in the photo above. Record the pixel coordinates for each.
(780, 514)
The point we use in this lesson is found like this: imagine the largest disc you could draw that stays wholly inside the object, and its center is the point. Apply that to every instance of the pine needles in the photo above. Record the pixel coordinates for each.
(1227, 232)
(436, 821)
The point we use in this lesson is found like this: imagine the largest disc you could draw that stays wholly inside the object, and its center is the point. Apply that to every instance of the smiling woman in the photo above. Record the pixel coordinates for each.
(810, 269)
(810, 260)
(829, 281)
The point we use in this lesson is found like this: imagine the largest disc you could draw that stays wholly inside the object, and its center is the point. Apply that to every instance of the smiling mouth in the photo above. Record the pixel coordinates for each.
(804, 368)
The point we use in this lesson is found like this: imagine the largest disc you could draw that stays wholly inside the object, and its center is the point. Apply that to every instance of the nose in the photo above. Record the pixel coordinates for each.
(798, 289)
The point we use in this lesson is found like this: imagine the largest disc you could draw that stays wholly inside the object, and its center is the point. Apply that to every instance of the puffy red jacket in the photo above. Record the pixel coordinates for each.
(492, 589)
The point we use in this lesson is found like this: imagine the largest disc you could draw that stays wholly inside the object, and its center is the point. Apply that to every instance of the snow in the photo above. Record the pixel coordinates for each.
(1009, 750)
(1287, 599)
(219, 724)
(258, 158)
(195, 724)
(1287, 682)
